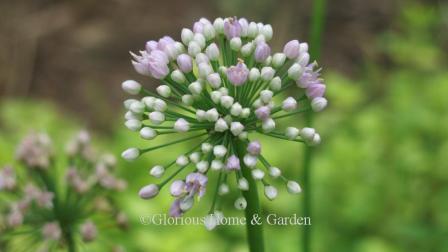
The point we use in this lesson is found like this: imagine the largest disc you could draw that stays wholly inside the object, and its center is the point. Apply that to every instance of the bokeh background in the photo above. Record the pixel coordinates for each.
(380, 176)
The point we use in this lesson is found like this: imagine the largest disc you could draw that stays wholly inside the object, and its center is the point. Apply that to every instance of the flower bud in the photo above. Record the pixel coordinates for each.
(268, 125)
(218, 24)
(304, 59)
(236, 128)
(291, 133)
(303, 48)
(235, 44)
(295, 71)
(157, 171)
(156, 117)
(212, 115)
(133, 124)
(274, 172)
(278, 60)
(270, 192)
(212, 52)
(291, 49)
(202, 166)
(181, 125)
(149, 191)
(186, 203)
(243, 184)
(267, 73)
(216, 165)
(88, 231)
(137, 107)
(254, 148)
(195, 88)
(318, 104)
(262, 52)
(200, 39)
(307, 133)
(182, 160)
(267, 32)
(275, 84)
(177, 188)
(293, 187)
(204, 70)
(223, 90)
(236, 109)
(223, 189)
(149, 101)
(257, 174)
(185, 63)
(206, 147)
(315, 90)
(232, 28)
(131, 87)
(250, 161)
(164, 91)
(247, 49)
(240, 203)
(254, 74)
(209, 32)
(227, 101)
(178, 76)
(127, 103)
(289, 104)
(245, 113)
(194, 48)
(202, 58)
(263, 112)
(216, 96)
(159, 105)
(130, 154)
(266, 96)
(186, 36)
(187, 99)
(221, 125)
(148, 133)
(316, 140)
(200, 115)
(237, 75)
(214, 80)
(219, 151)
(210, 222)
(150, 46)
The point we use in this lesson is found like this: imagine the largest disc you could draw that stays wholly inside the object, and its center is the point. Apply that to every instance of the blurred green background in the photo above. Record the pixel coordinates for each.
(380, 175)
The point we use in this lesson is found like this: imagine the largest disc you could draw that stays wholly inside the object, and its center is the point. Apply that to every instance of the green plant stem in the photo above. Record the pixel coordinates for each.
(254, 232)
(71, 246)
(317, 25)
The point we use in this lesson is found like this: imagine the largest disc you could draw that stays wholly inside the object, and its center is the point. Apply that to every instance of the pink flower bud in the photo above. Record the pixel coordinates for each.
(149, 191)
(238, 74)
(185, 63)
(88, 231)
(291, 49)
(233, 163)
(315, 90)
(232, 28)
(177, 188)
(263, 112)
(254, 148)
(262, 52)
(150, 46)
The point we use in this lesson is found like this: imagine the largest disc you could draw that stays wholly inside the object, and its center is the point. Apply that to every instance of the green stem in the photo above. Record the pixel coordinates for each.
(254, 232)
(71, 246)
(317, 24)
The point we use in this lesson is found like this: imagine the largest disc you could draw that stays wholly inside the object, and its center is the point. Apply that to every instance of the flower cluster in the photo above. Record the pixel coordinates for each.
(56, 209)
(222, 82)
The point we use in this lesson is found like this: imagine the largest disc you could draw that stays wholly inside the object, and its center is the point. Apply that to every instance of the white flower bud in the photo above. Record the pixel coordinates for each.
(212, 115)
(206, 147)
(214, 80)
(274, 172)
(243, 136)
(223, 189)
(204, 70)
(181, 125)
(267, 32)
(245, 113)
(316, 140)
(303, 48)
(187, 99)
(200, 115)
(227, 101)
(236, 109)
(133, 124)
(137, 107)
(159, 105)
(202, 58)
(307, 134)
(202, 166)
(223, 90)
(131, 87)
(127, 103)
(291, 133)
(295, 71)
(268, 61)
(218, 24)
(148, 133)
(130, 154)
(254, 74)
(217, 165)
(182, 161)
(278, 60)
(195, 157)
(210, 222)
(221, 125)
(267, 73)
(257, 103)
(318, 104)
(243, 184)
(240, 203)
(178, 76)
(186, 36)
(219, 151)
(236, 128)
(259, 39)
(270, 192)
(289, 104)
(216, 96)
(235, 44)
(250, 160)
(252, 31)
(157, 171)
(195, 88)
(131, 116)
(209, 31)
(304, 59)
(268, 125)
(149, 191)
(228, 119)
(222, 70)
(156, 117)
(275, 84)
(257, 174)
(200, 39)
(149, 101)
(194, 48)
(266, 96)
(247, 49)
(293, 187)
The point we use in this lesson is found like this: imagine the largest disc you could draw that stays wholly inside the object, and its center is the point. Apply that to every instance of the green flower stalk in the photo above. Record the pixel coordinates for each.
(222, 87)
(58, 202)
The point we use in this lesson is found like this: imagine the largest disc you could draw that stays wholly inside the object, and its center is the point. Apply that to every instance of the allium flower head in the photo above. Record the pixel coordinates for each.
(56, 206)
(221, 85)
